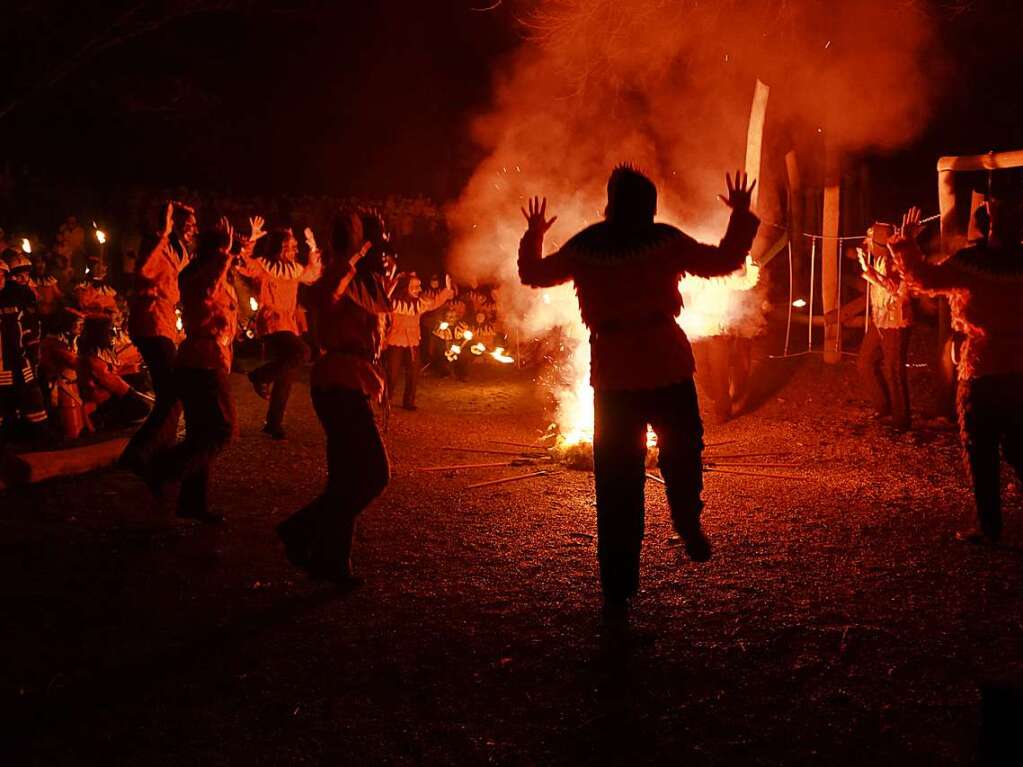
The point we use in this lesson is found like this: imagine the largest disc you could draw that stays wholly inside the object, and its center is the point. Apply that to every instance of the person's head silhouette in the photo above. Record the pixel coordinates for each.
(631, 198)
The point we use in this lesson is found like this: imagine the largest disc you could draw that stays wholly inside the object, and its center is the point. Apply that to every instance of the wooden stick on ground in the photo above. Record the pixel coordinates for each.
(654, 477)
(752, 464)
(517, 444)
(537, 453)
(508, 479)
(749, 455)
(455, 467)
(758, 474)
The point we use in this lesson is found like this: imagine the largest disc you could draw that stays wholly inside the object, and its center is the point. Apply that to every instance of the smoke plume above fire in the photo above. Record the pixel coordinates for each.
(666, 85)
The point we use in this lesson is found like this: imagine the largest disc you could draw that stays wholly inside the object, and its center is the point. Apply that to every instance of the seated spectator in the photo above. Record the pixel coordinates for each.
(94, 296)
(109, 400)
(49, 298)
(58, 371)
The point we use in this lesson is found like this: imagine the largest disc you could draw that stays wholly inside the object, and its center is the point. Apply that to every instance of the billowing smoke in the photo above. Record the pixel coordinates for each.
(667, 85)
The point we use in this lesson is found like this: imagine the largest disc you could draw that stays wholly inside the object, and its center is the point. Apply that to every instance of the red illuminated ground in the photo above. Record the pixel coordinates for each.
(838, 622)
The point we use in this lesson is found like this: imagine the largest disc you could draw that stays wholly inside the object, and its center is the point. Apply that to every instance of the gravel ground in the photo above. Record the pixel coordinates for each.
(837, 624)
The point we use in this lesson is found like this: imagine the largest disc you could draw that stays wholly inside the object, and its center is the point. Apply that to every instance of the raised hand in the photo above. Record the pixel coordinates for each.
(358, 256)
(226, 227)
(256, 230)
(310, 240)
(536, 216)
(168, 220)
(911, 223)
(862, 256)
(740, 194)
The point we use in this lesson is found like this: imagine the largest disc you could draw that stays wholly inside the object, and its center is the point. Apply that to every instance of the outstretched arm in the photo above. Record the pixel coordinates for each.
(931, 278)
(535, 270)
(692, 257)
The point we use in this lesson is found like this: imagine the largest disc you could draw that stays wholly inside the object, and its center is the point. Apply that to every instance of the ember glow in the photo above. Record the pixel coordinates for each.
(26, 246)
(101, 236)
(253, 304)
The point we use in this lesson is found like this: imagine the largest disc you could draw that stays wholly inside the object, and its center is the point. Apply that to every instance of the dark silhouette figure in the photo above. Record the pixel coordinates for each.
(626, 271)
(349, 302)
(984, 282)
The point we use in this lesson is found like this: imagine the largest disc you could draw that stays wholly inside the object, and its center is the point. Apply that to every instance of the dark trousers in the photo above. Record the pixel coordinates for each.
(882, 366)
(991, 416)
(209, 427)
(397, 358)
(160, 429)
(23, 397)
(287, 353)
(619, 464)
(357, 472)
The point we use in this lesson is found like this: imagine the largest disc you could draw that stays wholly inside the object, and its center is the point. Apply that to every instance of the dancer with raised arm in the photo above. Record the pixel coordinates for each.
(626, 271)
(984, 282)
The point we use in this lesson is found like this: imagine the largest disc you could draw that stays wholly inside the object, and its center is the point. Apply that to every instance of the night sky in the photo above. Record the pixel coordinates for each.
(365, 98)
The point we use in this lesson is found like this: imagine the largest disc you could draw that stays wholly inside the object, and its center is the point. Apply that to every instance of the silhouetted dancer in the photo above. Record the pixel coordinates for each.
(209, 312)
(349, 301)
(984, 283)
(626, 271)
(152, 324)
(882, 359)
(278, 274)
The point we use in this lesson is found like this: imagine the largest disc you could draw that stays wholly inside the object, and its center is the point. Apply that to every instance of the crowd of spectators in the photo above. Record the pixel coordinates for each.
(69, 367)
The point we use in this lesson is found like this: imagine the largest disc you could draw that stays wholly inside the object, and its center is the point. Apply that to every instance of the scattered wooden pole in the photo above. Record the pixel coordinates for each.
(459, 466)
(538, 453)
(756, 474)
(508, 479)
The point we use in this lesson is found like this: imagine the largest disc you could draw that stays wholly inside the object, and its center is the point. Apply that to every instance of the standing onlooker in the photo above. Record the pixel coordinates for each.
(21, 398)
(882, 360)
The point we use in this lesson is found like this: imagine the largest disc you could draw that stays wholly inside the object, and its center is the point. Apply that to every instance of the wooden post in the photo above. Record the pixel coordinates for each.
(829, 260)
(755, 136)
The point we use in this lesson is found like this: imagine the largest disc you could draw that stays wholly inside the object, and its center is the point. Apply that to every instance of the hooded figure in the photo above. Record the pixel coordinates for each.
(626, 271)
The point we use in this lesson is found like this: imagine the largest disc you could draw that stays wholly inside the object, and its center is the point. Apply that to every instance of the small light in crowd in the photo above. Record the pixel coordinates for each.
(101, 236)
(499, 355)
(456, 349)
(26, 246)
(799, 303)
(444, 326)
(253, 303)
(467, 335)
